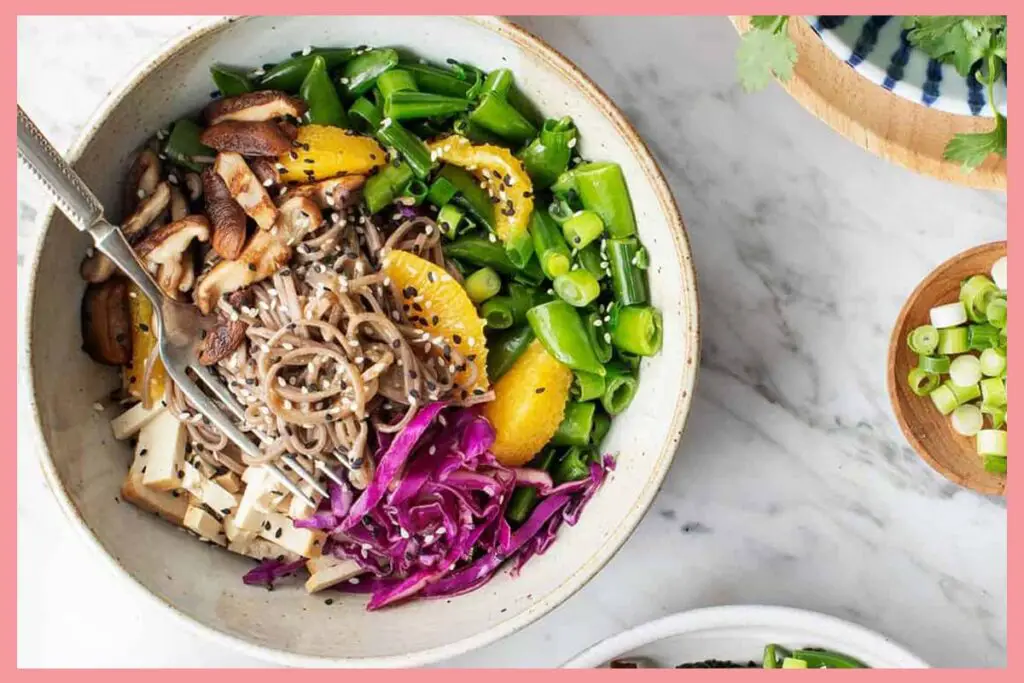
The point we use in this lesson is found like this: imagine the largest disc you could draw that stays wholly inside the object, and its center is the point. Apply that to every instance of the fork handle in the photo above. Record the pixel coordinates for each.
(75, 200)
(79, 204)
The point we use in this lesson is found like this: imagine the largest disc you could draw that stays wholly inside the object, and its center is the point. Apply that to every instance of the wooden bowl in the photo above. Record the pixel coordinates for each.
(927, 430)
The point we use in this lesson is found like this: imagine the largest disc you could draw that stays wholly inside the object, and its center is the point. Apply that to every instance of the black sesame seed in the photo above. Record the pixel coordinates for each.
(539, 390)
(435, 320)
(181, 474)
(225, 511)
(252, 267)
(277, 534)
(527, 194)
(478, 392)
(329, 601)
(175, 494)
(144, 327)
(396, 343)
(457, 339)
(266, 525)
(293, 155)
(416, 307)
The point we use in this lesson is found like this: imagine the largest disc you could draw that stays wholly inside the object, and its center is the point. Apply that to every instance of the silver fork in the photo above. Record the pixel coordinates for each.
(178, 325)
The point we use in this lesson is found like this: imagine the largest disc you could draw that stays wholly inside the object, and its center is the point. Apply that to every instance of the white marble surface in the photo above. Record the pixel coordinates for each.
(793, 484)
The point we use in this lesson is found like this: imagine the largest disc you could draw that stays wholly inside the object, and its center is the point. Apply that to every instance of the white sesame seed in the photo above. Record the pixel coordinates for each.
(607, 338)
(98, 407)
(597, 322)
(572, 143)
(492, 238)
(306, 50)
(268, 182)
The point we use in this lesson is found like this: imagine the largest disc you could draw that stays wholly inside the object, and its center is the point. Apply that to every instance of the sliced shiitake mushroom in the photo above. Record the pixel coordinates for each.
(179, 205)
(333, 194)
(267, 252)
(227, 335)
(165, 252)
(107, 322)
(148, 210)
(248, 138)
(227, 219)
(266, 171)
(143, 176)
(262, 105)
(246, 189)
(194, 185)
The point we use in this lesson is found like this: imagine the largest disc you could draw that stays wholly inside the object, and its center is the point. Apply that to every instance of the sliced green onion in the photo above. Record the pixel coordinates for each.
(497, 313)
(949, 315)
(416, 190)
(997, 414)
(560, 210)
(993, 362)
(586, 386)
(582, 229)
(953, 340)
(994, 463)
(965, 371)
(944, 399)
(923, 339)
(992, 442)
(482, 285)
(364, 115)
(995, 312)
(963, 394)
(770, 659)
(993, 392)
(967, 420)
(982, 337)
(922, 383)
(441, 192)
(449, 218)
(637, 330)
(620, 388)
(576, 425)
(999, 273)
(577, 287)
(975, 293)
(395, 80)
(936, 365)
(602, 424)
(793, 663)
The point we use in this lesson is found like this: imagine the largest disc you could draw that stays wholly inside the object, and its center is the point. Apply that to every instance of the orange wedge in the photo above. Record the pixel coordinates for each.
(326, 151)
(438, 305)
(143, 341)
(529, 404)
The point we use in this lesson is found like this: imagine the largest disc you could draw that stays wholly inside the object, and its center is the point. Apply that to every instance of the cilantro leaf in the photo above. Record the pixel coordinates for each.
(971, 149)
(765, 52)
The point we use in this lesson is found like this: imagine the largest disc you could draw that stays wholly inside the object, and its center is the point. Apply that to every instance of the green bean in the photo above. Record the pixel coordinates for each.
(547, 156)
(365, 115)
(471, 195)
(583, 228)
(381, 189)
(628, 282)
(437, 80)
(559, 328)
(620, 388)
(576, 425)
(587, 386)
(289, 74)
(504, 349)
(408, 104)
(183, 146)
(572, 466)
(590, 258)
(413, 150)
(577, 287)
(637, 330)
(320, 95)
(602, 425)
(602, 188)
(482, 285)
(600, 337)
(395, 80)
(230, 82)
(359, 75)
(448, 219)
(495, 114)
(549, 245)
(479, 251)
(524, 498)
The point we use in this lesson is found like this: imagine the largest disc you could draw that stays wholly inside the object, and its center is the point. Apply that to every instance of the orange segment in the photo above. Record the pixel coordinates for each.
(495, 166)
(446, 311)
(529, 404)
(326, 151)
(143, 341)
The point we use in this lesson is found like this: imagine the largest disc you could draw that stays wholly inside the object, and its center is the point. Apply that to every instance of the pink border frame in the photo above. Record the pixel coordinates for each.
(644, 7)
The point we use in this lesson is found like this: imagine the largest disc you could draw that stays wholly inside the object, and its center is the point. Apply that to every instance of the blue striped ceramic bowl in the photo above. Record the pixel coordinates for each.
(877, 48)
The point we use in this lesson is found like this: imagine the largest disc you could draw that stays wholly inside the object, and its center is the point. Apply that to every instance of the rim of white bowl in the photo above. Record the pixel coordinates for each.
(830, 632)
(653, 173)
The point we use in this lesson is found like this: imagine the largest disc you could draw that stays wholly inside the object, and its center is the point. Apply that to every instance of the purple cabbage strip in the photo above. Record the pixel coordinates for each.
(268, 571)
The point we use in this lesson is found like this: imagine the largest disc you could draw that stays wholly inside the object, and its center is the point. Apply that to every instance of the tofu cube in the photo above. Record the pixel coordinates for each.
(282, 531)
(326, 571)
(128, 423)
(206, 525)
(162, 444)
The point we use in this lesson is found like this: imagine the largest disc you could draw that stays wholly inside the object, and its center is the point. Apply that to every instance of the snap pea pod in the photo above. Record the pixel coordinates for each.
(824, 659)
(582, 228)
(441, 192)
(438, 80)
(637, 330)
(230, 82)
(524, 498)
(381, 189)
(183, 146)
(322, 98)
(602, 425)
(407, 104)
(620, 388)
(360, 73)
(547, 156)
(561, 210)
(572, 466)
(470, 195)
(507, 310)
(520, 249)
(449, 218)
(576, 425)
(289, 74)
(600, 338)
(549, 244)
(482, 285)
(531, 275)
(495, 114)
(393, 81)
(498, 82)
(602, 189)
(480, 252)
(412, 149)
(504, 349)
(475, 133)
(365, 115)
(590, 258)
(577, 287)
(559, 328)
(628, 281)
(587, 386)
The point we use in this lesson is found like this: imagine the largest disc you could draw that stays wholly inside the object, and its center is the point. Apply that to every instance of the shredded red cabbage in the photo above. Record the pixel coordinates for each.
(269, 571)
(432, 523)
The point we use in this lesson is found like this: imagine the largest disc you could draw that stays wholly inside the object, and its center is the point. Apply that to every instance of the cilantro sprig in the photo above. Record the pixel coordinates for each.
(973, 45)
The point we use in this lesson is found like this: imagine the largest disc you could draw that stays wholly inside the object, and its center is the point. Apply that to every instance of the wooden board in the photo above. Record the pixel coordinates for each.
(896, 129)
(927, 430)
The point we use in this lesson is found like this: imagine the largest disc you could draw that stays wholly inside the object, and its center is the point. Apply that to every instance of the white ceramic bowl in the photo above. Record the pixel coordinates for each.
(84, 465)
(739, 633)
